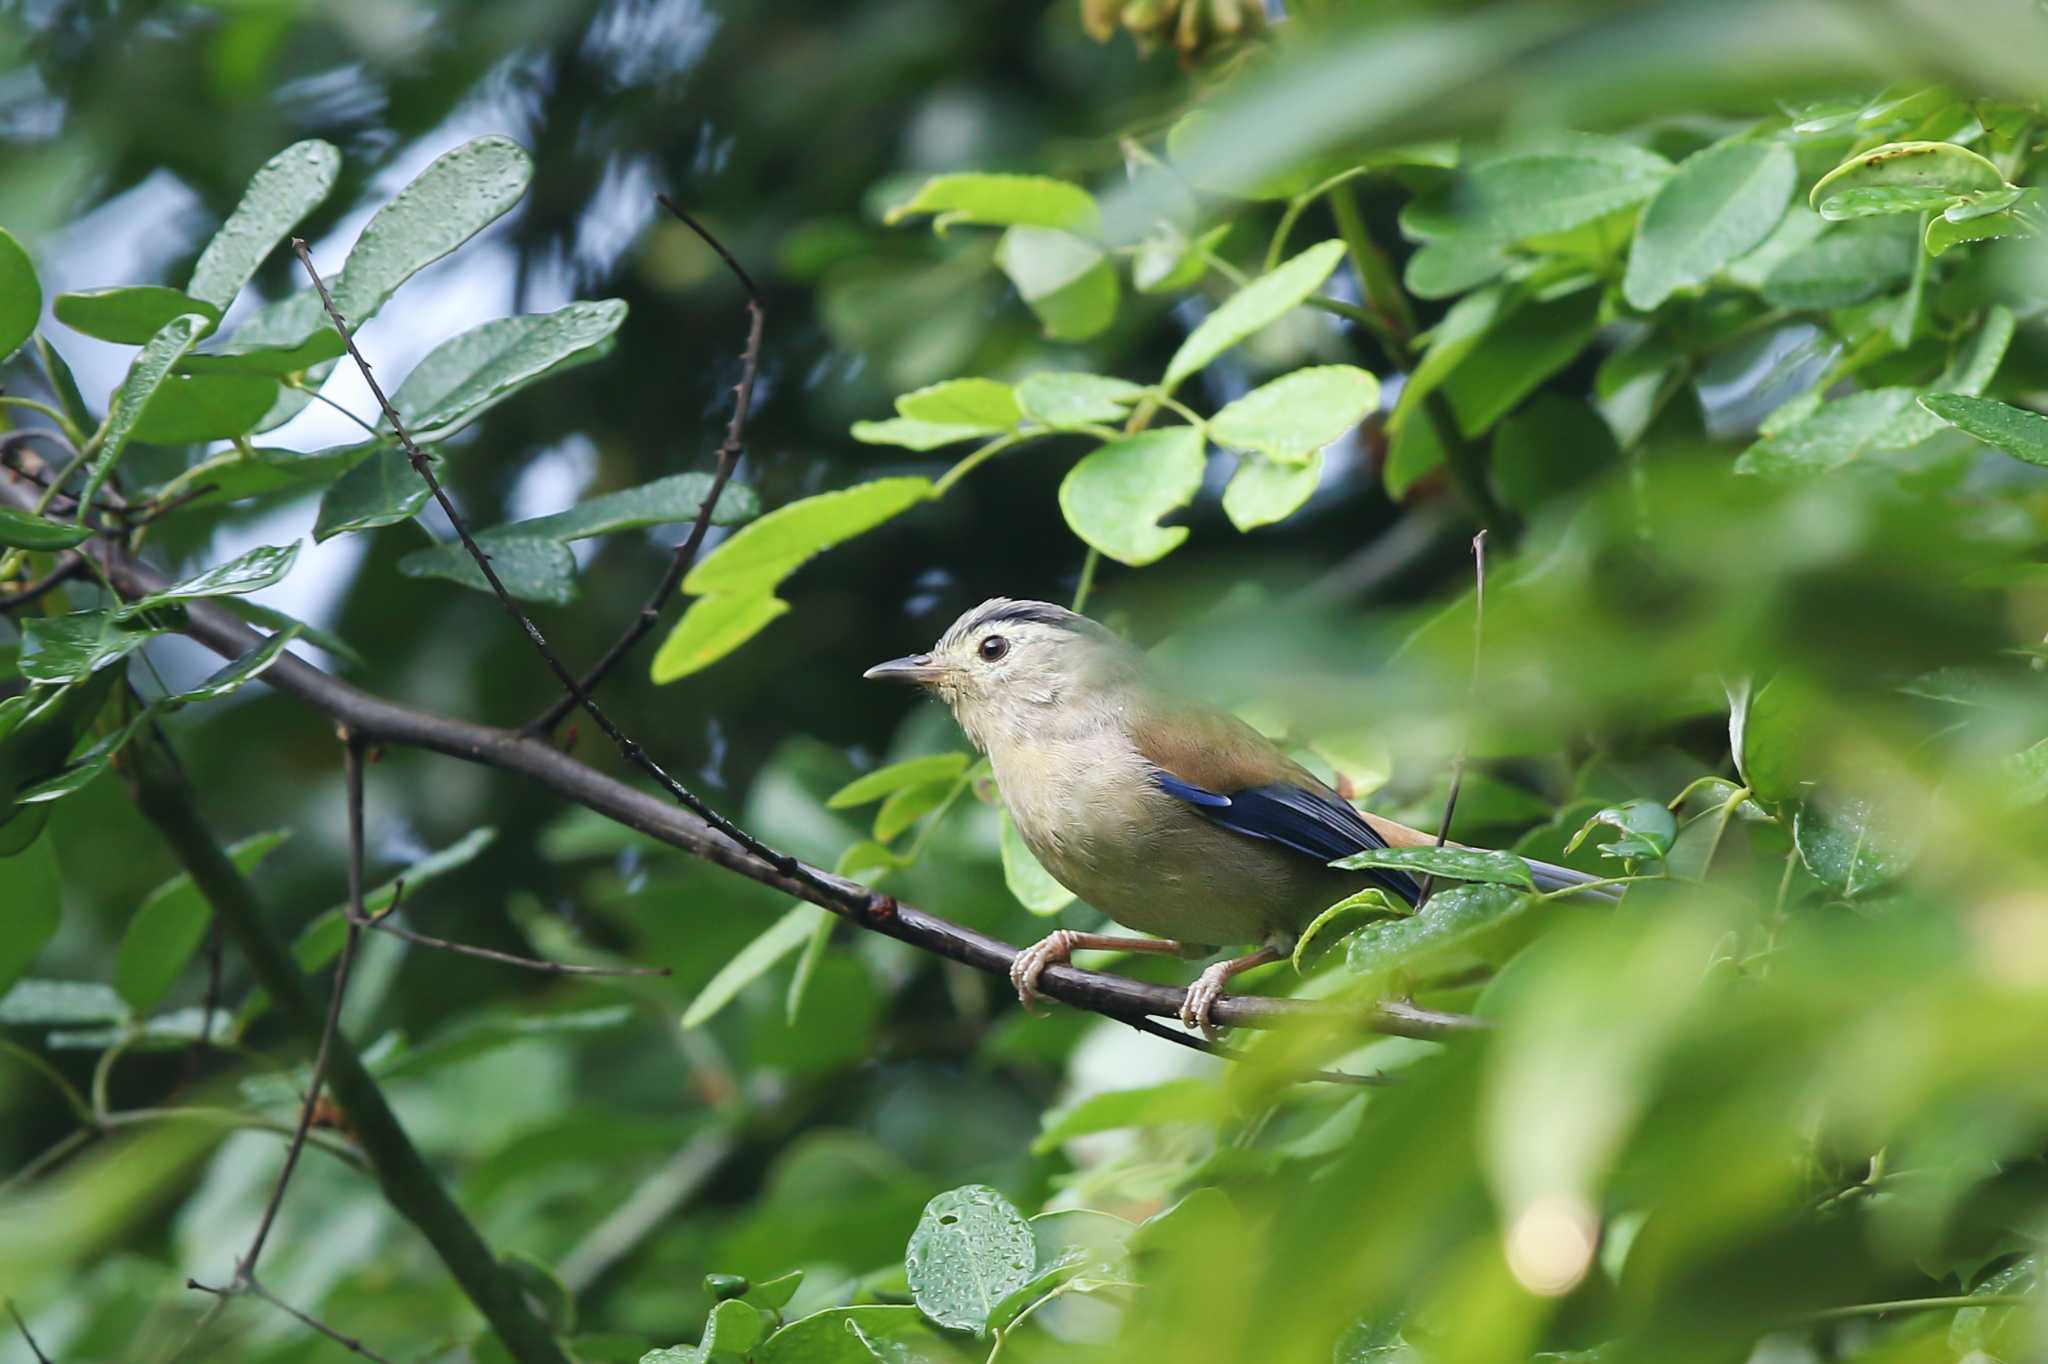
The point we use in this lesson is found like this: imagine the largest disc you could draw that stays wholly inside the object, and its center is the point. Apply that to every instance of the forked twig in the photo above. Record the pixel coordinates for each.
(784, 864)
(728, 459)
(1443, 830)
(257, 1290)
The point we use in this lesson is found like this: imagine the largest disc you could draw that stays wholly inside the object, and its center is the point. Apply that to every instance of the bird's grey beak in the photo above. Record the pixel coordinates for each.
(914, 668)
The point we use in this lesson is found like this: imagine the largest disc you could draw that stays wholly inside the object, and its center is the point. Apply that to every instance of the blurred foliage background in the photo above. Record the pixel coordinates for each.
(1740, 575)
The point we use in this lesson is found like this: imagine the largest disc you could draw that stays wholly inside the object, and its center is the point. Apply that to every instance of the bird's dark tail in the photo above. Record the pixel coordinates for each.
(1551, 877)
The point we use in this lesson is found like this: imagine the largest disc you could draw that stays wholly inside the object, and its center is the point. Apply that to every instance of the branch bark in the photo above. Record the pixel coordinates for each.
(379, 721)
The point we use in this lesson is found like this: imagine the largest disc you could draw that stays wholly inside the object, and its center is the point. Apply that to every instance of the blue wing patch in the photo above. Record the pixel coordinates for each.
(1295, 817)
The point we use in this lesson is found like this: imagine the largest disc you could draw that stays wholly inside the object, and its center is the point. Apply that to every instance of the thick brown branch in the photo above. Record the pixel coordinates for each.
(728, 459)
(376, 720)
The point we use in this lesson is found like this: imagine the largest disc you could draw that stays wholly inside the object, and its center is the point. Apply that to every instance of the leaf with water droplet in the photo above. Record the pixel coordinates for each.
(971, 1250)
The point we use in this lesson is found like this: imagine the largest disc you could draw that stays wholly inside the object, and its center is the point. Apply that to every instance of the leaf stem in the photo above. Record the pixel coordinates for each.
(975, 460)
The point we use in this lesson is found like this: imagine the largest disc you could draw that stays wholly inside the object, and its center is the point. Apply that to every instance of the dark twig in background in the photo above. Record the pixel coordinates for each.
(1443, 830)
(728, 459)
(257, 1290)
(787, 866)
(22, 1326)
(68, 567)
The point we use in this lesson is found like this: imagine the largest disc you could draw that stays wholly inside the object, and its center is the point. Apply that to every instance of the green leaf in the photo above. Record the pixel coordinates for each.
(781, 938)
(531, 569)
(764, 553)
(807, 968)
(21, 295)
(1458, 864)
(1063, 400)
(276, 360)
(25, 530)
(733, 1328)
(884, 780)
(272, 619)
(1263, 491)
(284, 190)
(152, 365)
(247, 668)
(712, 628)
(1833, 435)
(467, 375)
(1258, 305)
(665, 501)
(987, 405)
(1902, 177)
(1176, 1101)
(1647, 826)
(248, 572)
(169, 927)
(1722, 202)
(460, 194)
(35, 904)
(86, 766)
(189, 408)
(913, 435)
(1114, 497)
(60, 1003)
(1456, 924)
(380, 491)
(1002, 201)
(1450, 341)
(906, 805)
(1981, 218)
(1513, 358)
(1066, 280)
(1855, 261)
(1852, 847)
(1345, 917)
(971, 1250)
(2018, 432)
(1449, 266)
(1773, 754)
(472, 1040)
(1026, 878)
(1550, 187)
(1552, 445)
(1297, 414)
(66, 648)
(130, 314)
(828, 1337)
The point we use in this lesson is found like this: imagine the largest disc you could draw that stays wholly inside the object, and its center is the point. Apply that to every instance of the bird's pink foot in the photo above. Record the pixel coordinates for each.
(1054, 949)
(1202, 997)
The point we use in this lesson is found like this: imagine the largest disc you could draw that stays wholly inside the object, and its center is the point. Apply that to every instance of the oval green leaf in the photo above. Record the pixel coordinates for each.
(129, 315)
(1297, 414)
(189, 408)
(1263, 491)
(1113, 498)
(1721, 203)
(25, 530)
(1489, 866)
(1264, 301)
(764, 553)
(1066, 399)
(2018, 432)
(989, 200)
(1902, 177)
(1025, 876)
(145, 375)
(379, 491)
(971, 1250)
(467, 375)
(21, 295)
(883, 780)
(712, 628)
(988, 406)
(284, 189)
(451, 201)
(167, 930)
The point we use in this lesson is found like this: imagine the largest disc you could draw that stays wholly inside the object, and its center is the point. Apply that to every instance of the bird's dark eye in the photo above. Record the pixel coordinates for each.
(994, 647)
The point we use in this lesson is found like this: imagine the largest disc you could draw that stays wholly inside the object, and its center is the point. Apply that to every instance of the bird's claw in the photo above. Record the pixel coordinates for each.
(1054, 949)
(1201, 998)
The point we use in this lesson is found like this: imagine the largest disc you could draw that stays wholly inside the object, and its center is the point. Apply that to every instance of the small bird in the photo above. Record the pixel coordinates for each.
(1170, 817)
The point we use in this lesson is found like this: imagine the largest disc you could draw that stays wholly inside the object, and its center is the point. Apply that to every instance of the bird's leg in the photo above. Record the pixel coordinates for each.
(1058, 948)
(1208, 987)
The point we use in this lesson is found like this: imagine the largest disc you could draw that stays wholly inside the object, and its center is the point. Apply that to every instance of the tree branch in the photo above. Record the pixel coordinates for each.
(376, 720)
(407, 1180)
(728, 459)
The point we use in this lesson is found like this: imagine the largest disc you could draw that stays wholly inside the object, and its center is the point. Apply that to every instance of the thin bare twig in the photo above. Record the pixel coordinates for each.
(1443, 830)
(728, 459)
(257, 1290)
(68, 567)
(847, 896)
(22, 1326)
(352, 759)
(382, 924)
